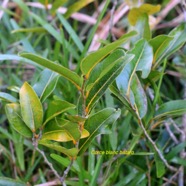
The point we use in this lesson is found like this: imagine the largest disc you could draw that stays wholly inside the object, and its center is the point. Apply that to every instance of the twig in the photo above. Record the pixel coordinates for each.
(182, 139)
(171, 133)
(13, 158)
(155, 147)
(170, 180)
(51, 183)
(35, 144)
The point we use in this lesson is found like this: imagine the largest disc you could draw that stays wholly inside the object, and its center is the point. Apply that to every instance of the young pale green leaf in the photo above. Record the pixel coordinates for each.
(55, 108)
(96, 123)
(56, 4)
(160, 166)
(141, 62)
(143, 28)
(97, 72)
(76, 7)
(101, 84)
(7, 97)
(65, 72)
(63, 130)
(90, 61)
(140, 99)
(31, 107)
(69, 152)
(13, 113)
(136, 13)
(45, 84)
(11, 182)
(171, 108)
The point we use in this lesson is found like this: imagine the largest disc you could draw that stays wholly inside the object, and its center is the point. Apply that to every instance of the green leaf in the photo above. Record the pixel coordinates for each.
(63, 130)
(141, 62)
(135, 13)
(15, 57)
(13, 112)
(55, 108)
(11, 182)
(50, 29)
(71, 32)
(31, 107)
(171, 108)
(98, 70)
(143, 28)
(7, 97)
(32, 30)
(160, 166)
(175, 150)
(65, 72)
(139, 98)
(76, 7)
(101, 84)
(90, 61)
(164, 46)
(45, 84)
(96, 123)
(69, 152)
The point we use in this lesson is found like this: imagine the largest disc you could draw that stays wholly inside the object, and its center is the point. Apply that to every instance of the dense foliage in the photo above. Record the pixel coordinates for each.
(95, 97)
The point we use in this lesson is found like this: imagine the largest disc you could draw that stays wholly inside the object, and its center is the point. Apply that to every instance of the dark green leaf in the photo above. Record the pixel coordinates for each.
(96, 122)
(89, 62)
(160, 166)
(55, 108)
(171, 108)
(65, 72)
(101, 84)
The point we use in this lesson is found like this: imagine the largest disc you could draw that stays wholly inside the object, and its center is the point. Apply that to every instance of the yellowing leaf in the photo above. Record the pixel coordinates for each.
(31, 107)
(148, 9)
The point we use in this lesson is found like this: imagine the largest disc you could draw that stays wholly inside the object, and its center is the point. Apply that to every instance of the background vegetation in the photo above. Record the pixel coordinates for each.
(38, 28)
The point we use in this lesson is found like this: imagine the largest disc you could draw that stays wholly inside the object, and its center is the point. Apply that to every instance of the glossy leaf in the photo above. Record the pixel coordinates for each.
(66, 73)
(11, 182)
(140, 99)
(13, 113)
(31, 108)
(141, 62)
(76, 7)
(101, 84)
(63, 131)
(164, 46)
(171, 108)
(96, 123)
(135, 13)
(7, 97)
(98, 70)
(90, 61)
(69, 152)
(55, 108)
(45, 84)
